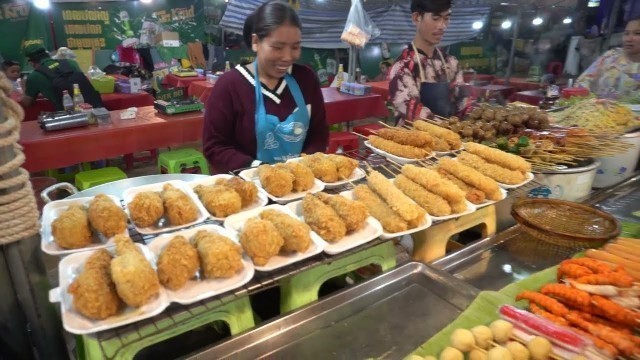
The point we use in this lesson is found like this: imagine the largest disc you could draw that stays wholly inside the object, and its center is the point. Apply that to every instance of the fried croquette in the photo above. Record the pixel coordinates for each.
(441, 145)
(106, 216)
(94, 293)
(437, 184)
(472, 194)
(405, 151)
(398, 202)
(323, 169)
(303, 178)
(390, 221)
(179, 207)
(247, 190)
(219, 200)
(323, 219)
(277, 182)
(472, 177)
(71, 228)
(496, 172)
(177, 263)
(260, 240)
(296, 234)
(436, 131)
(499, 157)
(352, 212)
(146, 208)
(220, 257)
(344, 165)
(419, 139)
(136, 281)
(434, 204)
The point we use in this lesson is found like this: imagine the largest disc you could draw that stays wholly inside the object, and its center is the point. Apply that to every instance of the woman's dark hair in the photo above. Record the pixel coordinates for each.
(7, 64)
(268, 17)
(430, 6)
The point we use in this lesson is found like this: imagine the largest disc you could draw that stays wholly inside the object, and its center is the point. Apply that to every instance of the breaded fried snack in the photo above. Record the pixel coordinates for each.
(344, 165)
(277, 182)
(390, 221)
(303, 176)
(179, 207)
(323, 168)
(405, 151)
(71, 228)
(260, 240)
(434, 204)
(398, 202)
(177, 263)
(136, 281)
(496, 172)
(353, 213)
(146, 208)
(472, 177)
(94, 293)
(219, 255)
(323, 219)
(296, 234)
(499, 157)
(106, 216)
(219, 200)
(247, 190)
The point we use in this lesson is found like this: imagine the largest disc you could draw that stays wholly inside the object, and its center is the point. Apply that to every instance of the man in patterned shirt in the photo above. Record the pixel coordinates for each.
(424, 80)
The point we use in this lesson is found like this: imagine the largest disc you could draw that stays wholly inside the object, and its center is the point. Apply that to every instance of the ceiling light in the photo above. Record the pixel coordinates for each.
(537, 21)
(146, 1)
(506, 24)
(477, 25)
(42, 4)
(567, 20)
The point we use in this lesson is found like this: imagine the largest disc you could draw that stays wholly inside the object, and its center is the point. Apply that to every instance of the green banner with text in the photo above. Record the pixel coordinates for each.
(22, 25)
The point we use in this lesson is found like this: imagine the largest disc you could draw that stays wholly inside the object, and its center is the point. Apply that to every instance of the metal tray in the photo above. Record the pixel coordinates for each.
(370, 320)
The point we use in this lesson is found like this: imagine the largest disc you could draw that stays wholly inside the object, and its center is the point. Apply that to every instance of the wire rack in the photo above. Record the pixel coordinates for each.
(178, 314)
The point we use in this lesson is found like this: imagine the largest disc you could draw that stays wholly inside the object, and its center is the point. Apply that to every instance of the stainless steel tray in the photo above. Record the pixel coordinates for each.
(386, 317)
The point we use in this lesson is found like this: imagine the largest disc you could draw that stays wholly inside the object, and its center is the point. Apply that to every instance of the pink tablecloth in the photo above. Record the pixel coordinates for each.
(200, 89)
(177, 81)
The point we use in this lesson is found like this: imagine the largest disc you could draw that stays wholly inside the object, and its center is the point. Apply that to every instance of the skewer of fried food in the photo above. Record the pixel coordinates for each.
(385, 124)
(362, 136)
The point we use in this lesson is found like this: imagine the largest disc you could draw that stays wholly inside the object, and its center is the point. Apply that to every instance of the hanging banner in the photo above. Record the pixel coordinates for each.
(23, 25)
(106, 25)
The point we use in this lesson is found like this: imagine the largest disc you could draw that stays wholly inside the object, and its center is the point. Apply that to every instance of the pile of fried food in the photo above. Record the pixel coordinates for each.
(148, 207)
(415, 143)
(227, 196)
(72, 229)
(107, 283)
(294, 177)
(390, 206)
(501, 166)
(333, 217)
(596, 299)
(271, 233)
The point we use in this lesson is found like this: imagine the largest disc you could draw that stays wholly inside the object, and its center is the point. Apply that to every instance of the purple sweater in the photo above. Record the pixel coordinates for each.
(229, 138)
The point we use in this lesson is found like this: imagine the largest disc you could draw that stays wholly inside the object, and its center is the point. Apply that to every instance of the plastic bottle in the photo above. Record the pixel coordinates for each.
(77, 97)
(340, 76)
(227, 66)
(67, 101)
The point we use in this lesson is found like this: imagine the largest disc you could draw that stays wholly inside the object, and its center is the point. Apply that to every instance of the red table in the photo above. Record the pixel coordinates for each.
(342, 108)
(200, 89)
(177, 81)
(492, 90)
(149, 130)
(520, 84)
(469, 77)
(115, 101)
(380, 87)
(531, 97)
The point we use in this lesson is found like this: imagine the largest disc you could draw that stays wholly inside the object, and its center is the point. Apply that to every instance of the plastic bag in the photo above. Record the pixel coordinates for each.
(359, 28)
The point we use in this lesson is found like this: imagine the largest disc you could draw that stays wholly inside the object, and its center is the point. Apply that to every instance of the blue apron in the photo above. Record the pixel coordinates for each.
(280, 140)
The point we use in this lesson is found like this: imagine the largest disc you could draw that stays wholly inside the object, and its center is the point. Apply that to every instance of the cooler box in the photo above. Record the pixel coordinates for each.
(104, 85)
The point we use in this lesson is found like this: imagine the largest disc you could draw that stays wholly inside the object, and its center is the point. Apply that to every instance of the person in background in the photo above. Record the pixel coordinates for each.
(270, 110)
(424, 81)
(384, 71)
(11, 69)
(51, 77)
(616, 74)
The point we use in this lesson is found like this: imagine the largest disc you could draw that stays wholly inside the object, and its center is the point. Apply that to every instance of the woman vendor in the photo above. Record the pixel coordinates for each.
(616, 74)
(270, 110)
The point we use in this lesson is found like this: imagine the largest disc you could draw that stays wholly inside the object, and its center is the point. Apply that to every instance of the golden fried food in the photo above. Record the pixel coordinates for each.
(106, 216)
(94, 293)
(71, 228)
(136, 281)
(441, 145)
(499, 157)
(220, 256)
(437, 184)
(472, 177)
(344, 165)
(434, 204)
(390, 221)
(146, 208)
(247, 190)
(353, 213)
(303, 176)
(277, 182)
(405, 151)
(296, 234)
(493, 171)
(323, 219)
(179, 207)
(260, 240)
(177, 263)
(473, 195)
(219, 200)
(323, 169)
(419, 139)
(436, 131)
(398, 202)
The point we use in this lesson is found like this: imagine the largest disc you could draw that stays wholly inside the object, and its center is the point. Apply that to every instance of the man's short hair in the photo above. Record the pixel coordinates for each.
(430, 6)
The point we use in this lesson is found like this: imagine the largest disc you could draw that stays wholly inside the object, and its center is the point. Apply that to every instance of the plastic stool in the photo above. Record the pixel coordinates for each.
(91, 178)
(131, 159)
(346, 140)
(69, 173)
(368, 129)
(431, 243)
(175, 161)
(302, 289)
(236, 312)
